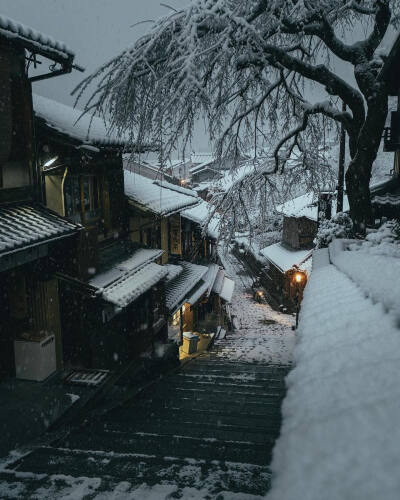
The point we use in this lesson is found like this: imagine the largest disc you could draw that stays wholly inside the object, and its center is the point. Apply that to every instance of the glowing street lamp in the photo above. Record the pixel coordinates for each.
(299, 279)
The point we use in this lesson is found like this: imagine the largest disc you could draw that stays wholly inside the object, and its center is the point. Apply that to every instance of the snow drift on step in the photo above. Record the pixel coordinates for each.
(340, 436)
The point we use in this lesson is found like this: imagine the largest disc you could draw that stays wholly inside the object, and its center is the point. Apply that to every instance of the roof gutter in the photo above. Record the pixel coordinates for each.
(66, 68)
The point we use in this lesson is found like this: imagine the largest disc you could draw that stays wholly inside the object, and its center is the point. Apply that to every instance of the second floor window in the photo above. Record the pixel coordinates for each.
(82, 198)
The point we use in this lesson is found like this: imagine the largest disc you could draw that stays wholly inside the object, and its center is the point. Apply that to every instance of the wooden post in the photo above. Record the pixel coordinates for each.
(181, 325)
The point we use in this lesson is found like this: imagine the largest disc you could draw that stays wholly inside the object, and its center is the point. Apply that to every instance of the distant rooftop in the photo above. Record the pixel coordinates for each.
(159, 197)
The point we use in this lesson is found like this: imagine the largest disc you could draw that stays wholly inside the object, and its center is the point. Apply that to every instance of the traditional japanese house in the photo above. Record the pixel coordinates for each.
(154, 213)
(300, 225)
(200, 230)
(386, 196)
(158, 214)
(34, 240)
(112, 294)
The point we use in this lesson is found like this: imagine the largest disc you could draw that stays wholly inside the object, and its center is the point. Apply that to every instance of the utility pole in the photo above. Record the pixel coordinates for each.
(342, 152)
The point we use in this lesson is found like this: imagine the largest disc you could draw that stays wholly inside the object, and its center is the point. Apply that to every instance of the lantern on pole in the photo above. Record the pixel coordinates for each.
(299, 279)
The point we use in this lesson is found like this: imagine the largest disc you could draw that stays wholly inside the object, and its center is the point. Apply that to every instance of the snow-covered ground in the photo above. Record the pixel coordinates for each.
(262, 335)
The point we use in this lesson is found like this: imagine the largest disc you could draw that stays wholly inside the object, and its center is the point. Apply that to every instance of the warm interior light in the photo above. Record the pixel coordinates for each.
(50, 162)
(298, 277)
(260, 293)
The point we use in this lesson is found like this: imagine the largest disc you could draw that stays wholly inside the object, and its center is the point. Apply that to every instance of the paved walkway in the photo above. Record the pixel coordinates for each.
(204, 432)
(262, 335)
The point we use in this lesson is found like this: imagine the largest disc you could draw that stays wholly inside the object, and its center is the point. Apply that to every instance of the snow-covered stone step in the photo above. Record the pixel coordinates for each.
(243, 386)
(239, 420)
(223, 377)
(176, 446)
(211, 432)
(163, 395)
(55, 470)
(206, 405)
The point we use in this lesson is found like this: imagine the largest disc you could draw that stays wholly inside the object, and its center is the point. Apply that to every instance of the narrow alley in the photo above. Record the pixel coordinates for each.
(205, 431)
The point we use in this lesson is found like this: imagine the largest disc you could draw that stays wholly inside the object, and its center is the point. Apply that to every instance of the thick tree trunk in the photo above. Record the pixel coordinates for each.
(358, 174)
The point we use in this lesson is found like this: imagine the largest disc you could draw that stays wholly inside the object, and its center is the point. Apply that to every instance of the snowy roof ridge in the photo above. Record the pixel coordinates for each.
(173, 271)
(130, 287)
(73, 123)
(154, 196)
(10, 28)
(125, 268)
(175, 187)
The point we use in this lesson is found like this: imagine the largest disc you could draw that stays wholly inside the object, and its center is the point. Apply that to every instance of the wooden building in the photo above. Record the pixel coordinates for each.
(154, 213)
(34, 240)
(300, 225)
(112, 294)
(200, 232)
(386, 197)
(167, 216)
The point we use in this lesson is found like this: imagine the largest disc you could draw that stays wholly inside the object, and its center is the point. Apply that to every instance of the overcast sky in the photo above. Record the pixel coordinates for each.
(97, 30)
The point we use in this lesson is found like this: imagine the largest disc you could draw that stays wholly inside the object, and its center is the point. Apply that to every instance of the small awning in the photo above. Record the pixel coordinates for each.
(125, 266)
(124, 291)
(127, 279)
(179, 289)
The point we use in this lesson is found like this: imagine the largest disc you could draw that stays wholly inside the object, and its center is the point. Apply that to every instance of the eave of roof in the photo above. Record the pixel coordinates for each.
(35, 41)
(23, 226)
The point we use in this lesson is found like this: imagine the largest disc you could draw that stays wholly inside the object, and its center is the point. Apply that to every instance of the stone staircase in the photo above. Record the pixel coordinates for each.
(210, 426)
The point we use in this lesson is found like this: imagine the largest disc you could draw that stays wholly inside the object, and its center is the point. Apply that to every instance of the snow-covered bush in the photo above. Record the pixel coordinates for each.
(383, 241)
(340, 226)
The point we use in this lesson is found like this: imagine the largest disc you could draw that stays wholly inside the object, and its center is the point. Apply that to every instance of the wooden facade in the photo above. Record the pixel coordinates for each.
(86, 185)
(299, 232)
(30, 258)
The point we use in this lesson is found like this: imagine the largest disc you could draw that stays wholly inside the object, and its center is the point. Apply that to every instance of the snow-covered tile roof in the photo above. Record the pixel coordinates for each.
(126, 266)
(305, 205)
(159, 197)
(178, 289)
(124, 291)
(392, 199)
(200, 214)
(70, 121)
(173, 271)
(197, 293)
(201, 159)
(341, 412)
(205, 285)
(25, 225)
(16, 31)
(285, 258)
